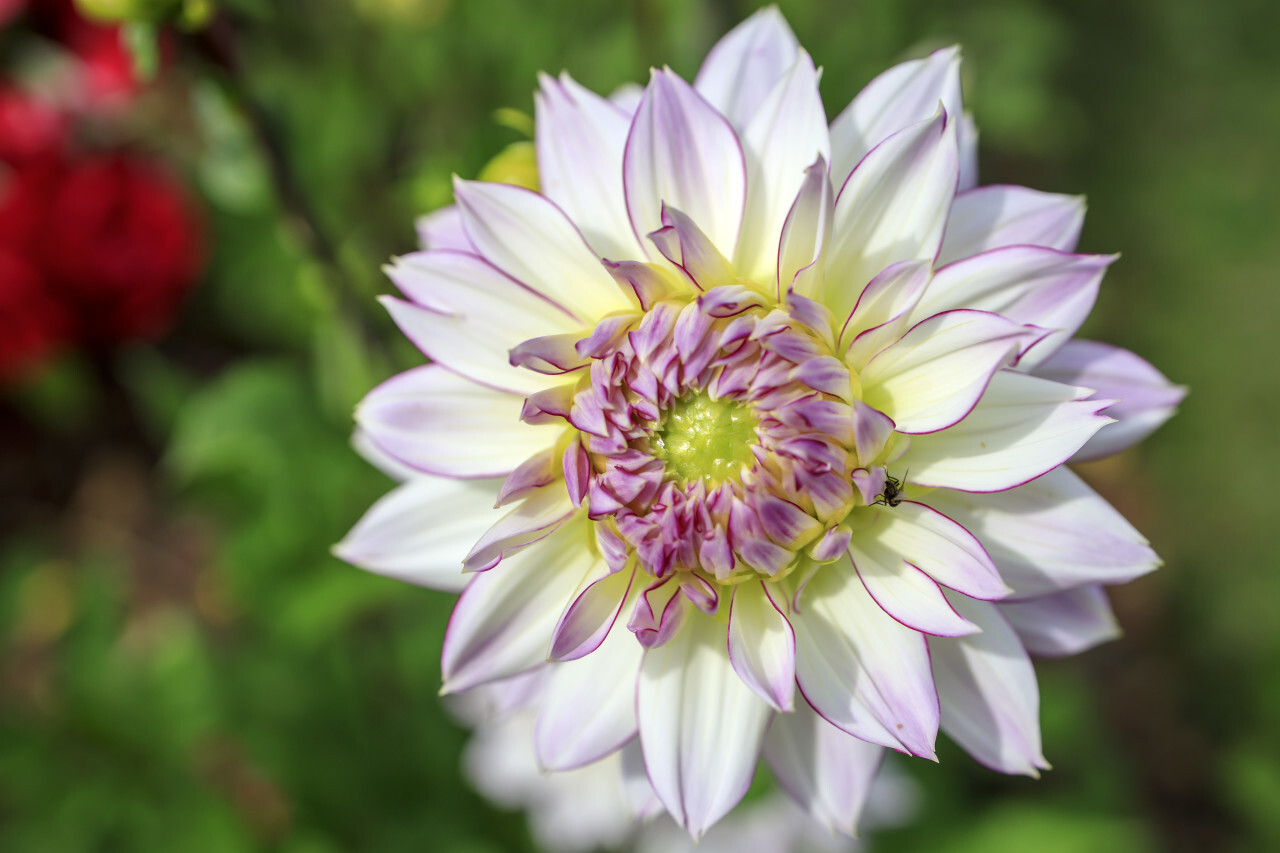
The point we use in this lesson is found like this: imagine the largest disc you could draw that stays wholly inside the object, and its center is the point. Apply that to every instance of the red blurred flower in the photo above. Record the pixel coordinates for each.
(107, 76)
(115, 238)
(10, 9)
(34, 325)
(106, 79)
(29, 128)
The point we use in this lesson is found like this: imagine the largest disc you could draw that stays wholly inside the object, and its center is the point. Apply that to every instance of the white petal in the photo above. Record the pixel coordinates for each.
(420, 531)
(580, 139)
(1027, 284)
(500, 762)
(883, 309)
(904, 592)
(939, 547)
(526, 236)
(1147, 398)
(827, 771)
(441, 423)
(967, 143)
(860, 669)
(502, 623)
(1063, 623)
(682, 242)
(700, 726)
(935, 374)
(442, 229)
(741, 69)
(762, 646)
(903, 95)
(590, 615)
(534, 518)
(782, 140)
(683, 153)
(474, 315)
(892, 208)
(987, 218)
(627, 98)
(990, 699)
(1051, 534)
(589, 709)
(379, 458)
(804, 234)
(1021, 428)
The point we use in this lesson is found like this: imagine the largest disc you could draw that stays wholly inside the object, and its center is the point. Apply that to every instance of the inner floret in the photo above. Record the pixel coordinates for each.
(714, 438)
(700, 438)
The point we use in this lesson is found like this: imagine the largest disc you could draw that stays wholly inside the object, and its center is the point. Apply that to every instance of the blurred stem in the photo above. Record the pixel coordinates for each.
(214, 46)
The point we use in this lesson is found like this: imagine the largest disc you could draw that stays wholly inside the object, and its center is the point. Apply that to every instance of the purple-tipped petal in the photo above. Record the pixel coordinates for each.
(420, 531)
(762, 646)
(1051, 534)
(537, 471)
(903, 95)
(870, 483)
(805, 233)
(892, 208)
(785, 523)
(1146, 398)
(580, 138)
(860, 669)
(904, 591)
(526, 236)
(1063, 623)
(871, 430)
(825, 373)
(881, 314)
(776, 163)
(987, 218)
(937, 545)
(470, 315)
(552, 355)
(683, 153)
(440, 423)
(658, 613)
(744, 66)
(442, 229)
(700, 726)
(589, 708)
(935, 374)
(990, 700)
(536, 517)
(683, 243)
(649, 283)
(502, 623)
(1027, 284)
(1022, 427)
(591, 614)
(833, 543)
(827, 771)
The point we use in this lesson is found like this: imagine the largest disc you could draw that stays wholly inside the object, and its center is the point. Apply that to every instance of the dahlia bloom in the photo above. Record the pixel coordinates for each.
(751, 430)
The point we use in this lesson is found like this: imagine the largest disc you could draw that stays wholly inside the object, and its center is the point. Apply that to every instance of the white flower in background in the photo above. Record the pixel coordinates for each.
(609, 804)
(774, 415)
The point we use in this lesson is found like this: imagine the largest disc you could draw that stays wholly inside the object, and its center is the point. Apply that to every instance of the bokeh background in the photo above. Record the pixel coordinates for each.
(183, 666)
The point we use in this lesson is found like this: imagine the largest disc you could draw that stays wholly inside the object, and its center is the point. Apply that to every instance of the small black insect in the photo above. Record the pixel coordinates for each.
(894, 491)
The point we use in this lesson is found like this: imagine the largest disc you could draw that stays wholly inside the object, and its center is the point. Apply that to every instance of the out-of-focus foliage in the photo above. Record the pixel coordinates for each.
(184, 666)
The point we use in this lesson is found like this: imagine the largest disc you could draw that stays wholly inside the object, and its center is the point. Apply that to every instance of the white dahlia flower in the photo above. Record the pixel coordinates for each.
(754, 427)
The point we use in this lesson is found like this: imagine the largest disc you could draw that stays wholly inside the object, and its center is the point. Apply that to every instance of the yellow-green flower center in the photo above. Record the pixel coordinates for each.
(704, 439)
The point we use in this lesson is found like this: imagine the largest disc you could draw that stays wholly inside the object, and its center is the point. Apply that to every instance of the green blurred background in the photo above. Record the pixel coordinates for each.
(183, 666)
